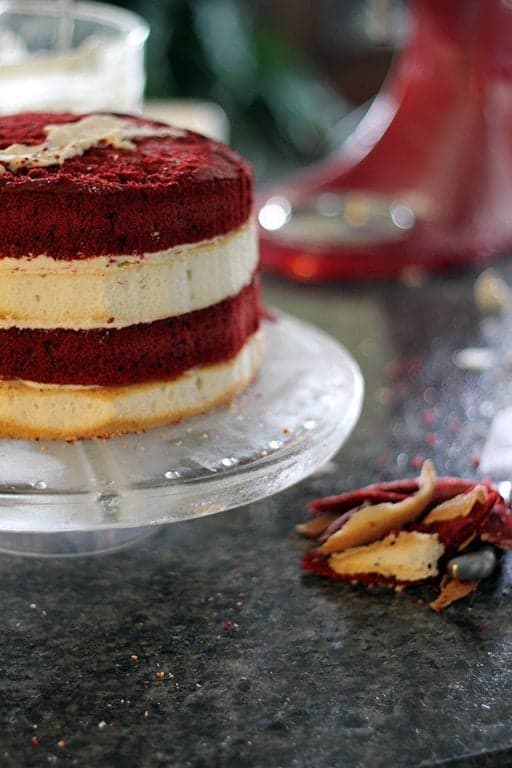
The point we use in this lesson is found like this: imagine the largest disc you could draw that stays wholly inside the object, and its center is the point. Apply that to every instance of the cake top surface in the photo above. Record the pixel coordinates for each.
(131, 151)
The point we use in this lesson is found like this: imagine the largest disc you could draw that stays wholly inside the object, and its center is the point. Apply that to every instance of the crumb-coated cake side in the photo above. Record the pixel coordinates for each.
(128, 289)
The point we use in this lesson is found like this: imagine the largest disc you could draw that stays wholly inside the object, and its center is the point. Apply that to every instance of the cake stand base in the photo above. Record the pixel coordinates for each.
(73, 543)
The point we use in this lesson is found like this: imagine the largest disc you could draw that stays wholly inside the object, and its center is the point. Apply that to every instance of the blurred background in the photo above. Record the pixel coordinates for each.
(293, 76)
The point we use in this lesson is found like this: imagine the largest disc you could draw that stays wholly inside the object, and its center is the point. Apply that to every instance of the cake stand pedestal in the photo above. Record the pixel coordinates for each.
(94, 496)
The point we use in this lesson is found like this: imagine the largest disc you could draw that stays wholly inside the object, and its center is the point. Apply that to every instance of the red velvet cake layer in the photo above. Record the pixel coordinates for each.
(137, 353)
(166, 192)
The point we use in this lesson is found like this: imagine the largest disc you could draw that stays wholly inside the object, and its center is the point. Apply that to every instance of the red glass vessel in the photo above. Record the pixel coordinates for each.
(425, 181)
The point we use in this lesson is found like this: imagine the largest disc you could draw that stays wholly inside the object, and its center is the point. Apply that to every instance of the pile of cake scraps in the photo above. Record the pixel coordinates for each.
(442, 530)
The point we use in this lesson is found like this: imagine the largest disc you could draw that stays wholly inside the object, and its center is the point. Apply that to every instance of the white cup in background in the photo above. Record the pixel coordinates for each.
(77, 56)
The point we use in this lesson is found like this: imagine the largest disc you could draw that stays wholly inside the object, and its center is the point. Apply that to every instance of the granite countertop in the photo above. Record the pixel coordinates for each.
(204, 645)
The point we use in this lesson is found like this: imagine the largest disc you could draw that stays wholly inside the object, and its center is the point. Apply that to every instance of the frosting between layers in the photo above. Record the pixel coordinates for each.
(163, 349)
(118, 291)
(67, 413)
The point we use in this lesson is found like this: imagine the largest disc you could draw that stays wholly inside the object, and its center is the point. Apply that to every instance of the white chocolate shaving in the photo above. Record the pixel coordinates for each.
(373, 522)
(73, 139)
(458, 506)
(408, 556)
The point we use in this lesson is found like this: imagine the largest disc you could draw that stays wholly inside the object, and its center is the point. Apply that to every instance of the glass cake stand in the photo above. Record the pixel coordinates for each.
(92, 496)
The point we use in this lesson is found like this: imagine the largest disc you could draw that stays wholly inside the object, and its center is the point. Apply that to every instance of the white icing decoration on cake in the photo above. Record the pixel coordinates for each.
(73, 139)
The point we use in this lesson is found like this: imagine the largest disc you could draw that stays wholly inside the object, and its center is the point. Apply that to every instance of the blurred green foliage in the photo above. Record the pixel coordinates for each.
(280, 112)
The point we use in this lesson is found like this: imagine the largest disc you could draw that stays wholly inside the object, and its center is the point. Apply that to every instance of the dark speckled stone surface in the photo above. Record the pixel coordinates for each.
(204, 646)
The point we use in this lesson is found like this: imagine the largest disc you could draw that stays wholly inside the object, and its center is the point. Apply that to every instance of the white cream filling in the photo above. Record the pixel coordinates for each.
(117, 291)
(69, 387)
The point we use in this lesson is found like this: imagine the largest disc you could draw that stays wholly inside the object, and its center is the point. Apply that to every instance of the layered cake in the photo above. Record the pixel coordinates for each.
(128, 288)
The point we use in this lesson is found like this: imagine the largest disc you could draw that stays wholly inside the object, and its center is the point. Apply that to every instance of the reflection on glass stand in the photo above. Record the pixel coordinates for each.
(425, 181)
